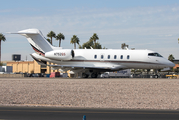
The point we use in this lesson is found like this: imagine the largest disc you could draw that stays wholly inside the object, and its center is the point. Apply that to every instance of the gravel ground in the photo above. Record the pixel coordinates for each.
(91, 93)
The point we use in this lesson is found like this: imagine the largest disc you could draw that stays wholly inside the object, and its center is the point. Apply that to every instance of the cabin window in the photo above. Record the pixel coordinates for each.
(115, 56)
(102, 56)
(108, 56)
(121, 56)
(128, 56)
(95, 56)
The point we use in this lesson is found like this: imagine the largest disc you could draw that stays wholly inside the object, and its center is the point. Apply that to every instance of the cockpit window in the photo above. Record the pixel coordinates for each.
(154, 54)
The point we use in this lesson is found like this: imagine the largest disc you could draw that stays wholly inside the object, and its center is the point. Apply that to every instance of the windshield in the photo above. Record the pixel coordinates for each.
(154, 54)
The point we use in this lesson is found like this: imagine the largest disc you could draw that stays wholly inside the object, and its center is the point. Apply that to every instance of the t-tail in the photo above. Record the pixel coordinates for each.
(36, 40)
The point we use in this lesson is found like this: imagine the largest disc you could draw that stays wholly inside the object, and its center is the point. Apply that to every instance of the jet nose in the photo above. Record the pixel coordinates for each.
(171, 64)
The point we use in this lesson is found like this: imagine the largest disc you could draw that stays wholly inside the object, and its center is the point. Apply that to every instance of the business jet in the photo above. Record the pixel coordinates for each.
(91, 62)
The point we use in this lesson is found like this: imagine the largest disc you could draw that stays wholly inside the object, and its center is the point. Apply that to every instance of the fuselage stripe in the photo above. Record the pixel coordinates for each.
(42, 53)
(103, 61)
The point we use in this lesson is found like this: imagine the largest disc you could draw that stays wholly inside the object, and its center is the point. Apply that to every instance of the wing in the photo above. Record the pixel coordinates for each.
(98, 68)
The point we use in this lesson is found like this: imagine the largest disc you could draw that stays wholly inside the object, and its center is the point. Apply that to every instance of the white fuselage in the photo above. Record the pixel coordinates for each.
(117, 59)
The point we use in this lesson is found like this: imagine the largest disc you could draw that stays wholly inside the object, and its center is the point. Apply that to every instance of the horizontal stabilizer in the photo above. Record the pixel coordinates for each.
(23, 33)
(28, 31)
(40, 62)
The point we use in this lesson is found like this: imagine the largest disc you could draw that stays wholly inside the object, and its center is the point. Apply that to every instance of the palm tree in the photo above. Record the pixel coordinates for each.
(49, 40)
(60, 37)
(51, 35)
(75, 40)
(88, 45)
(98, 46)
(171, 57)
(94, 38)
(124, 45)
(2, 38)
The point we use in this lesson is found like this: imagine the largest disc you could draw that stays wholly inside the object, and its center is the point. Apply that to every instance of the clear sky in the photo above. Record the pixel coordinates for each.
(142, 24)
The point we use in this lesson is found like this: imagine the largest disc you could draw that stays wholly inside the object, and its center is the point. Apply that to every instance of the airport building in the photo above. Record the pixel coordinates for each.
(32, 67)
(29, 67)
(19, 66)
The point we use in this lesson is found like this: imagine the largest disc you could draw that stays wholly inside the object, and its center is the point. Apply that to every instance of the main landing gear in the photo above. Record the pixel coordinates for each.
(84, 75)
(93, 75)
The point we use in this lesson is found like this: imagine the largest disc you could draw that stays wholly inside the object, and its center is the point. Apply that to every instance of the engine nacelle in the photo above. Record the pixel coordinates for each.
(65, 54)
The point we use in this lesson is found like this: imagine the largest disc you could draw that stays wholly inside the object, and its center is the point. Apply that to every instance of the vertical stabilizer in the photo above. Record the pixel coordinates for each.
(37, 40)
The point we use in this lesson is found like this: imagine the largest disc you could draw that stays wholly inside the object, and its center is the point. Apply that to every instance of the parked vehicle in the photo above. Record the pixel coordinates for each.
(55, 74)
(122, 73)
(64, 75)
(35, 74)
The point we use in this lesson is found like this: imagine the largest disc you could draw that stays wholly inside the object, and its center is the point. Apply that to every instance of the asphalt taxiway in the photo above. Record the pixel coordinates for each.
(46, 113)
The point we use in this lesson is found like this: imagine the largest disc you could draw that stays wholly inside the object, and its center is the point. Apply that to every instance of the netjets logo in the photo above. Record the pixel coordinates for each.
(59, 54)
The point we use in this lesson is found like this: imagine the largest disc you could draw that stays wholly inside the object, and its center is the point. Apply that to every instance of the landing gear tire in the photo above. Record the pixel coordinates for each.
(84, 75)
(156, 76)
(94, 75)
